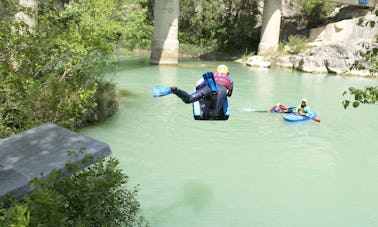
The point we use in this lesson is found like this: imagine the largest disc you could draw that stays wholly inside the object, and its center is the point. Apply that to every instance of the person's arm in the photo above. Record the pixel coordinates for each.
(297, 109)
(308, 111)
(200, 83)
(283, 108)
(229, 91)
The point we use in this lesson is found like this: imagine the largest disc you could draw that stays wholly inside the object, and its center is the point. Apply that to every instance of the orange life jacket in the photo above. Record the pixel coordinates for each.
(223, 79)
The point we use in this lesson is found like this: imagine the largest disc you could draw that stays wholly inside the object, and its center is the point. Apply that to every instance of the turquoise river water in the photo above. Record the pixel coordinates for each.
(254, 169)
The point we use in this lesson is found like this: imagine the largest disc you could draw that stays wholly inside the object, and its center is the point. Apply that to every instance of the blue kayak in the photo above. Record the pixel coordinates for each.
(292, 117)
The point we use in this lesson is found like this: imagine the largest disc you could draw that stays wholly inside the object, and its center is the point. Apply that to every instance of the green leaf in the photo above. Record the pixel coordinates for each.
(360, 21)
(372, 24)
(346, 103)
(356, 104)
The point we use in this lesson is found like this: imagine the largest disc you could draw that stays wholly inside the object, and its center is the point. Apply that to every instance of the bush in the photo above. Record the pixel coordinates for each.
(296, 44)
(53, 73)
(95, 196)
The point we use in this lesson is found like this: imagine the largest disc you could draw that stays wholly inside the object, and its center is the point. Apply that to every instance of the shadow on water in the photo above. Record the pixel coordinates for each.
(194, 196)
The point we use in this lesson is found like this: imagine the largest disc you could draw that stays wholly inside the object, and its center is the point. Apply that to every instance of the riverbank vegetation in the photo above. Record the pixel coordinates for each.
(52, 70)
(96, 196)
(213, 29)
(368, 95)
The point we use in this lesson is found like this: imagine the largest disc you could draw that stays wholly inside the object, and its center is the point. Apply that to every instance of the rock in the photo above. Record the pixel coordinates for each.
(334, 48)
(258, 61)
(289, 8)
(284, 62)
(337, 66)
(287, 61)
(349, 12)
(345, 31)
(312, 64)
(328, 58)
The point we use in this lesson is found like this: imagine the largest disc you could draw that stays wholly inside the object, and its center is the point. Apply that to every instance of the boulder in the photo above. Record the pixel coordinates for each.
(312, 64)
(337, 66)
(345, 31)
(258, 61)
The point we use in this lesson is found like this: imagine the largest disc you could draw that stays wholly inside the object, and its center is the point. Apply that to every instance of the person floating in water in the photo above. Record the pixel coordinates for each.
(281, 109)
(214, 89)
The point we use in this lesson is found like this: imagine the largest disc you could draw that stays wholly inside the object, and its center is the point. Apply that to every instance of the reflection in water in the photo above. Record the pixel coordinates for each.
(194, 196)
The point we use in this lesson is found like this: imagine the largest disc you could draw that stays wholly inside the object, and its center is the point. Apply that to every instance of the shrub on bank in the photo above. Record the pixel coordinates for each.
(53, 71)
(95, 196)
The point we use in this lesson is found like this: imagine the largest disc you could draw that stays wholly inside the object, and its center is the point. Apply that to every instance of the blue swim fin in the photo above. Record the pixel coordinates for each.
(158, 91)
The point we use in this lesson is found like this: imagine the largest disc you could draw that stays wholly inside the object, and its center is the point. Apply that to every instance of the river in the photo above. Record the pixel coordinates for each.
(254, 169)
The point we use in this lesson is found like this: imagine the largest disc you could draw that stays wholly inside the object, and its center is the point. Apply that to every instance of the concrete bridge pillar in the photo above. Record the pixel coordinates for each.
(270, 29)
(165, 44)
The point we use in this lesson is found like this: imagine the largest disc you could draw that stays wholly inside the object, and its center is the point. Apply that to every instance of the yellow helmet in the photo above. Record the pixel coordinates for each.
(304, 100)
(278, 104)
(222, 69)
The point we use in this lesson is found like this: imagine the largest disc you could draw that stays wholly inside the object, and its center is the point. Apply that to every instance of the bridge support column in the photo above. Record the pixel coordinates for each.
(270, 29)
(165, 44)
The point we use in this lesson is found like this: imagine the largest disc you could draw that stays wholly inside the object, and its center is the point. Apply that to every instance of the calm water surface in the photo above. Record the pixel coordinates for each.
(254, 169)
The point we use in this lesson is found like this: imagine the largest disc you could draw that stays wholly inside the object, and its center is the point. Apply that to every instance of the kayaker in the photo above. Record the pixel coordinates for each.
(303, 108)
(217, 93)
(280, 108)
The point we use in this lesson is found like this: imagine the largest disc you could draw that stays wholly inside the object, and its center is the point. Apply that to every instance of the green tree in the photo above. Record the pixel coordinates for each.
(138, 27)
(313, 12)
(219, 26)
(55, 73)
(369, 94)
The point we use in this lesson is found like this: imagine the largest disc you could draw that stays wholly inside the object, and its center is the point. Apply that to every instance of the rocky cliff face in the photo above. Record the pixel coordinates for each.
(334, 47)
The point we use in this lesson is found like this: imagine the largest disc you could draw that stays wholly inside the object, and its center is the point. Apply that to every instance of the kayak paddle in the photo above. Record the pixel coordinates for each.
(267, 111)
(315, 119)
(158, 91)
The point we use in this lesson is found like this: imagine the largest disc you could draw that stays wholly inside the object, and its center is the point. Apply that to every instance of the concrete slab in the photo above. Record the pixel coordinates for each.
(38, 151)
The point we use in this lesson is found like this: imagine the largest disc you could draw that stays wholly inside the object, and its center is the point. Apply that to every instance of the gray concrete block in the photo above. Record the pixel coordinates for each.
(39, 151)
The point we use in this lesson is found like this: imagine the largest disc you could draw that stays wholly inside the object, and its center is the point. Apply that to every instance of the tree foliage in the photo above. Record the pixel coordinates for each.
(54, 72)
(219, 26)
(95, 196)
(313, 12)
(139, 26)
(369, 94)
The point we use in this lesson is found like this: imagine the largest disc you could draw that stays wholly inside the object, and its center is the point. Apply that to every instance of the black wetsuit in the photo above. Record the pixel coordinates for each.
(205, 93)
